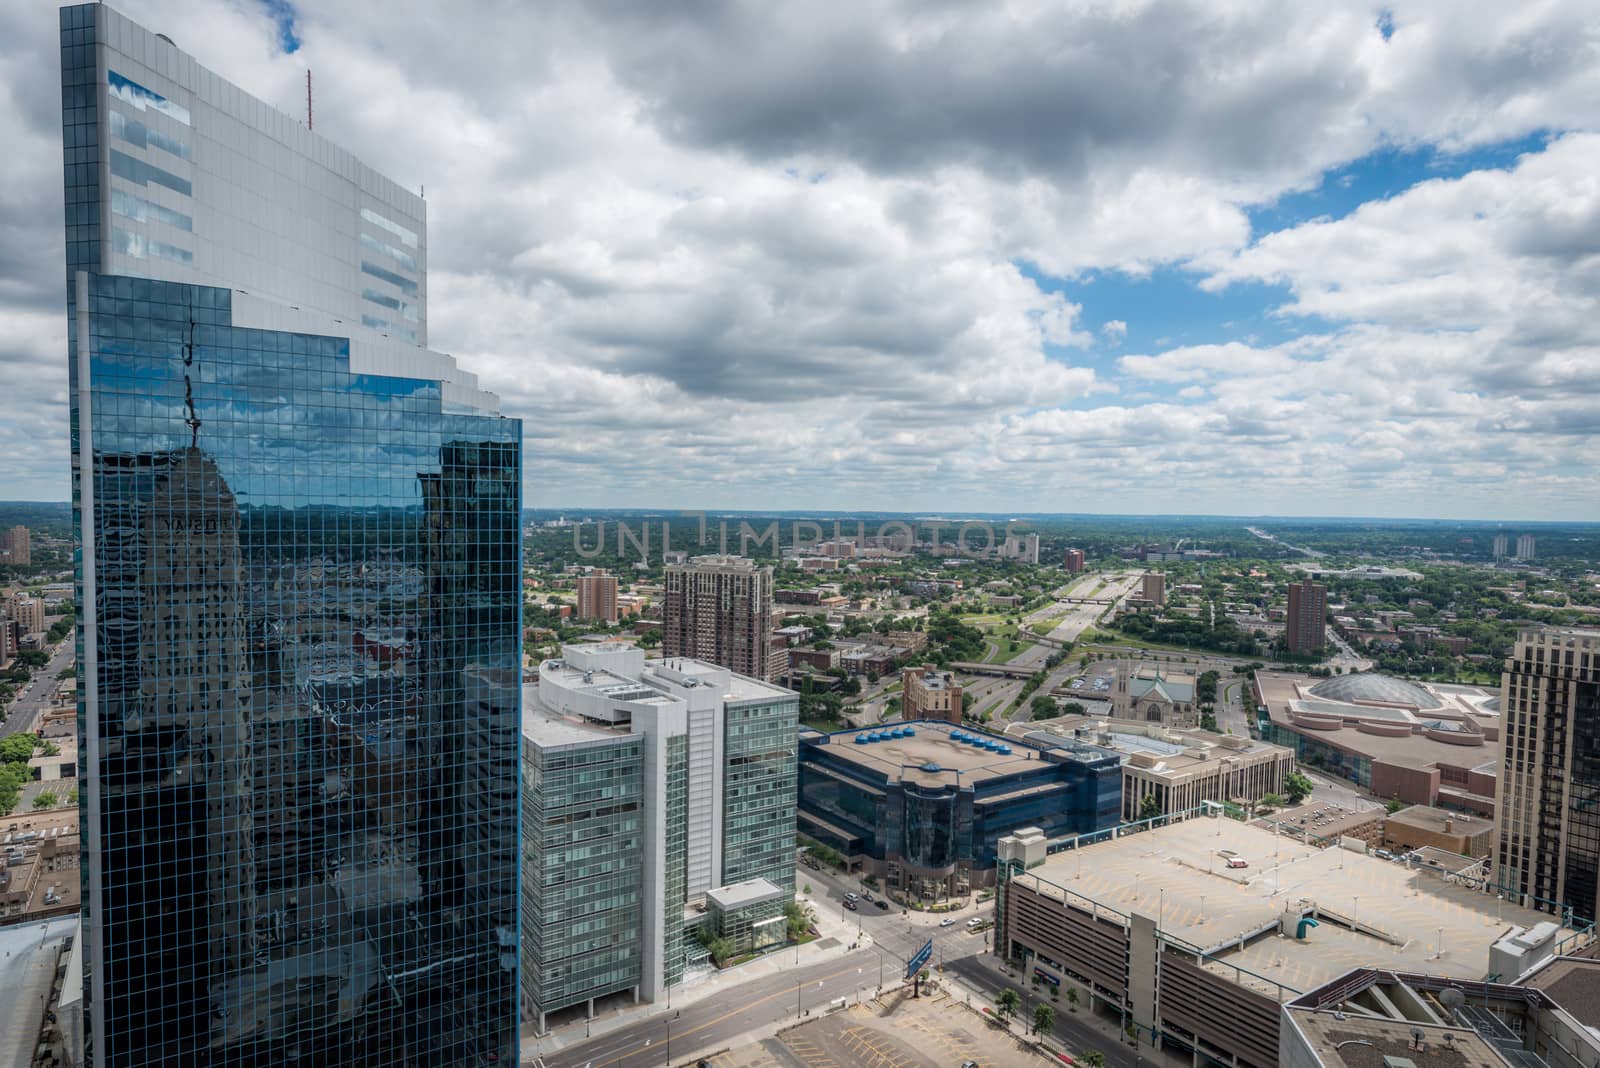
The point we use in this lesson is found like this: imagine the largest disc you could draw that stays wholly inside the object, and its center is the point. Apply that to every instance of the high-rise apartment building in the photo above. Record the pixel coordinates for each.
(719, 609)
(1074, 561)
(1500, 545)
(1525, 547)
(1153, 587)
(1307, 620)
(16, 546)
(298, 594)
(597, 596)
(28, 611)
(648, 788)
(1548, 798)
(1023, 547)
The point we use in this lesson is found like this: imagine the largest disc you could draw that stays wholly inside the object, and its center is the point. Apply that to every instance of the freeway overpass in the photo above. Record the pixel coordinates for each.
(1005, 671)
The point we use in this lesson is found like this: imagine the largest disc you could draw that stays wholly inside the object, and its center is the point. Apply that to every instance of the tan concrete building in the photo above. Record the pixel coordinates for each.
(28, 612)
(16, 546)
(1153, 588)
(1197, 933)
(928, 693)
(39, 873)
(1326, 823)
(1179, 769)
(719, 609)
(1549, 845)
(1074, 561)
(1422, 825)
(597, 596)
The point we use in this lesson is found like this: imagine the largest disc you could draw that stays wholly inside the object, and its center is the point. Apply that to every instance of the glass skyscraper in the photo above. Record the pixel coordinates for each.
(299, 594)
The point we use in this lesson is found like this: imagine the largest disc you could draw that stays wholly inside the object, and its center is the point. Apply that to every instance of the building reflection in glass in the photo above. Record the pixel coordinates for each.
(307, 665)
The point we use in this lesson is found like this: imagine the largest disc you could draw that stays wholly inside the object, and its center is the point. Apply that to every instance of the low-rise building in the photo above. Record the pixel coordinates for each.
(1420, 743)
(1370, 1016)
(1156, 693)
(1197, 933)
(1176, 769)
(1328, 823)
(1423, 825)
(920, 806)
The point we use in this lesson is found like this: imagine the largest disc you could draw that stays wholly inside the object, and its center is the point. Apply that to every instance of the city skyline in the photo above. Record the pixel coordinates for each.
(1346, 282)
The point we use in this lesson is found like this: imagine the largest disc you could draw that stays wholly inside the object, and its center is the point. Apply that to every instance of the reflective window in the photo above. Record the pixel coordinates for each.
(405, 259)
(372, 322)
(137, 133)
(407, 311)
(305, 766)
(141, 247)
(405, 285)
(138, 209)
(407, 237)
(141, 173)
(135, 95)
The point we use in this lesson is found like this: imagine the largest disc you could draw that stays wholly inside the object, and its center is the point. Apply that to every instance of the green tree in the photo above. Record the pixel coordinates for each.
(1149, 808)
(797, 919)
(46, 800)
(1043, 707)
(1092, 1059)
(650, 638)
(1072, 998)
(1044, 1018)
(1394, 805)
(1007, 1004)
(1073, 708)
(1297, 786)
(16, 749)
(1271, 801)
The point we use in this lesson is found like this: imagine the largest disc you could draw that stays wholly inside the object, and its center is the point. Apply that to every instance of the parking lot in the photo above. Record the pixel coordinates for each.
(900, 1032)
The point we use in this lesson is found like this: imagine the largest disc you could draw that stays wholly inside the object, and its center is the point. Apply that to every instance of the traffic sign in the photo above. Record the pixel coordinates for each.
(920, 959)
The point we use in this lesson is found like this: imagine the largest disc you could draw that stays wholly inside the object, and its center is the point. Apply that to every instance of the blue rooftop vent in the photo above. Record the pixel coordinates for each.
(904, 732)
(862, 739)
(958, 736)
(910, 733)
(1005, 750)
(931, 766)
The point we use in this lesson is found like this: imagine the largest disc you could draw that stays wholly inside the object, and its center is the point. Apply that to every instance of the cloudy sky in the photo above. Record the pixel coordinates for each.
(1300, 259)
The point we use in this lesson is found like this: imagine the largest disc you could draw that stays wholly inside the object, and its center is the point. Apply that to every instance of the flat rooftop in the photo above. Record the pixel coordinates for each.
(1171, 752)
(546, 729)
(931, 756)
(1285, 692)
(1574, 984)
(1373, 913)
(1325, 819)
(1365, 1042)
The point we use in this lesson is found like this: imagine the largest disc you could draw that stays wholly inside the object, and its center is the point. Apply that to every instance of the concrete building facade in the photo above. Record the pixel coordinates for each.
(1526, 547)
(928, 693)
(1074, 561)
(719, 609)
(1153, 588)
(1548, 850)
(1176, 770)
(1196, 933)
(685, 776)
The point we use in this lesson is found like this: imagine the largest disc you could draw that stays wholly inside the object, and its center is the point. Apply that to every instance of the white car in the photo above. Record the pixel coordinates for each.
(947, 922)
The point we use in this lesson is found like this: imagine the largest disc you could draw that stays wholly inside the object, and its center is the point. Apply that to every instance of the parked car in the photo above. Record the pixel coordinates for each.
(851, 905)
(851, 895)
(882, 904)
(947, 922)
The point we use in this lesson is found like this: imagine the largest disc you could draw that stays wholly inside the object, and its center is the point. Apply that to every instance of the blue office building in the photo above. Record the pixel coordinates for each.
(299, 595)
(920, 806)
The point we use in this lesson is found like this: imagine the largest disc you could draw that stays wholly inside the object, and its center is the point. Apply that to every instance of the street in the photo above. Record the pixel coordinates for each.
(717, 1021)
(35, 694)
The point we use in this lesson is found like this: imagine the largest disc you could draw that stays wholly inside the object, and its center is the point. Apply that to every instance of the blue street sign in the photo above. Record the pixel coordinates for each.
(920, 961)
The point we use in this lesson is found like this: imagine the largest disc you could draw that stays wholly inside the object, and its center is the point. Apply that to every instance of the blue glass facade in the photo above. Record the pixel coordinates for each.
(931, 830)
(301, 698)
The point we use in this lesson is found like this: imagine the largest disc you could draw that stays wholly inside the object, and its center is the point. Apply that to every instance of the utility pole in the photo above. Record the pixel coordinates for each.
(308, 98)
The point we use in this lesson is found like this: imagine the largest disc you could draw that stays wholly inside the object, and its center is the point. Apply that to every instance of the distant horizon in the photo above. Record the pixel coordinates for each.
(813, 513)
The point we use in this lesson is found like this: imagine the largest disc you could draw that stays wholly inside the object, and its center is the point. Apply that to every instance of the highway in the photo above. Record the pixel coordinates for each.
(35, 694)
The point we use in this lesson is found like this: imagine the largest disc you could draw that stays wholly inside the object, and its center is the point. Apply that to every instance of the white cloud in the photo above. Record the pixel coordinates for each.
(784, 255)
